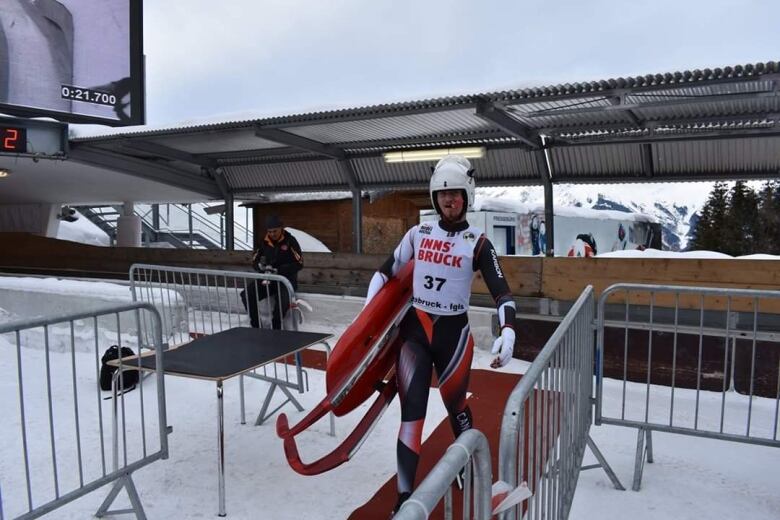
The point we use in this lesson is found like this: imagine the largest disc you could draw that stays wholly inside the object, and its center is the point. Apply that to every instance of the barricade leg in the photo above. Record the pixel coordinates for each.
(263, 415)
(241, 398)
(135, 501)
(649, 446)
(603, 464)
(641, 455)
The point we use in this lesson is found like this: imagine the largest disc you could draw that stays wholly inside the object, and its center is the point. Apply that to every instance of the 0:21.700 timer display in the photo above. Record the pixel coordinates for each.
(13, 140)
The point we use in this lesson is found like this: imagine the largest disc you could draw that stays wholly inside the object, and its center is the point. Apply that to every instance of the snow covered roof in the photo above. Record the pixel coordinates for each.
(682, 126)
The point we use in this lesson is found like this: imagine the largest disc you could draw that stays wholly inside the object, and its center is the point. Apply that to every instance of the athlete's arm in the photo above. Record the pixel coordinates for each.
(391, 267)
(486, 261)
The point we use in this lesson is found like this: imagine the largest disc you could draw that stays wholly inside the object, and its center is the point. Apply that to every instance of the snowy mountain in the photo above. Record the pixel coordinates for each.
(674, 206)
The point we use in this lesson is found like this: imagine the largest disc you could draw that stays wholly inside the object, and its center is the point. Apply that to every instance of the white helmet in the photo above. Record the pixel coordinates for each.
(453, 172)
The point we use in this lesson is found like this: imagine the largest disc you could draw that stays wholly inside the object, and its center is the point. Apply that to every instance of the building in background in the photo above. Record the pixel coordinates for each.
(578, 231)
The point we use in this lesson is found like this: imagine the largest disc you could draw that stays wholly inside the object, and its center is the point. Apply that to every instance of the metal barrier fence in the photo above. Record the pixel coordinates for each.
(55, 430)
(197, 302)
(547, 418)
(469, 453)
(702, 361)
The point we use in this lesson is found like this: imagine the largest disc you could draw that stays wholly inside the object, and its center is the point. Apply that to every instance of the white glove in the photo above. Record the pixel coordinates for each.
(503, 347)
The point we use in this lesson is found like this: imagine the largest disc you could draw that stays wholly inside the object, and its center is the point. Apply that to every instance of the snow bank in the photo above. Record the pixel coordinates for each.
(704, 255)
(29, 297)
(83, 231)
(308, 243)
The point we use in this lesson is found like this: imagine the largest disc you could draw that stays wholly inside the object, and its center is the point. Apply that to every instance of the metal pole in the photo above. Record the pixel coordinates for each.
(156, 218)
(246, 225)
(221, 448)
(357, 222)
(543, 167)
(189, 221)
(549, 219)
(230, 224)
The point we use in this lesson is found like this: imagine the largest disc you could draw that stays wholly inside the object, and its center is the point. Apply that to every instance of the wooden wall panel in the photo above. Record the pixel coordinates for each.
(555, 278)
(385, 220)
(523, 274)
(565, 278)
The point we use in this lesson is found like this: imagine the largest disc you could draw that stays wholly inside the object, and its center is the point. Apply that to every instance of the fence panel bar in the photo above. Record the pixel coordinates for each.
(697, 317)
(73, 445)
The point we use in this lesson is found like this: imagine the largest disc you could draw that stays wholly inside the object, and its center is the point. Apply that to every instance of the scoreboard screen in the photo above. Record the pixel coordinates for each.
(13, 139)
(76, 61)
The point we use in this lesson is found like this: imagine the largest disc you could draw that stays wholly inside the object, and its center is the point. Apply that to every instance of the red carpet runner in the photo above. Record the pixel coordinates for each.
(489, 392)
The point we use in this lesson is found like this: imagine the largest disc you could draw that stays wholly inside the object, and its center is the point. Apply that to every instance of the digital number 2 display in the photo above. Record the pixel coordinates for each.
(13, 140)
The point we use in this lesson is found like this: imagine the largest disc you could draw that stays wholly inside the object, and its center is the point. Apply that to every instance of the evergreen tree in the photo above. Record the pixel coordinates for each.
(769, 216)
(741, 232)
(712, 221)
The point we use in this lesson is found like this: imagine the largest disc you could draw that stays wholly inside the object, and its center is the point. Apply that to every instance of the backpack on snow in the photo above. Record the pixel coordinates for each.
(129, 378)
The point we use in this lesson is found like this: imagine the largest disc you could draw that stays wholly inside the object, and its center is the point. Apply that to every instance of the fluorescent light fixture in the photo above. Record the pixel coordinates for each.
(4, 172)
(472, 152)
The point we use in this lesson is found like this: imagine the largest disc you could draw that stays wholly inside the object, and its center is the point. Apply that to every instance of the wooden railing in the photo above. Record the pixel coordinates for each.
(554, 278)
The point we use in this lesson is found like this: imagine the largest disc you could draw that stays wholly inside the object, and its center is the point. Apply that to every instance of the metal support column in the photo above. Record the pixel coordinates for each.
(549, 218)
(227, 196)
(543, 167)
(189, 222)
(357, 222)
(230, 227)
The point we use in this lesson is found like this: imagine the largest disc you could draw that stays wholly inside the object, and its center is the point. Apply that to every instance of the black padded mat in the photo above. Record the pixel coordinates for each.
(232, 352)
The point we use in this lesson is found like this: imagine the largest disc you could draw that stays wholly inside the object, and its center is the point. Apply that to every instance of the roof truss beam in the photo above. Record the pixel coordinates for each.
(309, 145)
(349, 175)
(302, 143)
(144, 169)
(499, 117)
(268, 154)
(620, 101)
(169, 153)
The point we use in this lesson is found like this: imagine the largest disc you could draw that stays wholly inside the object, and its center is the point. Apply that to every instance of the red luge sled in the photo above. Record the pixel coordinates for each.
(362, 359)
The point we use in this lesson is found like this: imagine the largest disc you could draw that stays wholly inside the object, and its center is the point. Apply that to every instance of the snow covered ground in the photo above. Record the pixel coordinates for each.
(691, 477)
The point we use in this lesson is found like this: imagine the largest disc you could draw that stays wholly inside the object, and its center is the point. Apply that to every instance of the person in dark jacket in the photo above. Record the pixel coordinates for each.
(281, 254)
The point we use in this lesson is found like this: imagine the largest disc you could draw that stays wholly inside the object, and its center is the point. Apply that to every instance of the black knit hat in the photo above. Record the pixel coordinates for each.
(273, 221)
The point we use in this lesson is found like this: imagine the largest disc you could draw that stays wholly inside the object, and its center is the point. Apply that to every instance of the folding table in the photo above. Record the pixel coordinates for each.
(225, 354)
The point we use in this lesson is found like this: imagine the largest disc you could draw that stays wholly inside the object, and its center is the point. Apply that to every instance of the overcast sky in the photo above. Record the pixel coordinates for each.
(279, 57)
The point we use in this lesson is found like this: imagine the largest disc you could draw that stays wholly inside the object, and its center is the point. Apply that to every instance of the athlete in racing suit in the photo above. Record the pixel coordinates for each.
(436, 331)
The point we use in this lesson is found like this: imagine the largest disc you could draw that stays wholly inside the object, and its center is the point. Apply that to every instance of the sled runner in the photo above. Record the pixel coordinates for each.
(363, 361)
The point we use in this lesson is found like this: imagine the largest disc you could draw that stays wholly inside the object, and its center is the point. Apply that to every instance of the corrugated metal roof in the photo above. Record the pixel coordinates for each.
(760, 155)
(398, 127)
(297, 176)
(655, 127)
(738, 73)
(575, 164)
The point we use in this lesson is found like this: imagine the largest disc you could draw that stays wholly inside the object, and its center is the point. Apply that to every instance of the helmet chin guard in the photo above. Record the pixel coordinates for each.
(453, 172)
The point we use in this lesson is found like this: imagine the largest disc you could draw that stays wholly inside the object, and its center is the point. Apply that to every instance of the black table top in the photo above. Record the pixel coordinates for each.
(231, 352)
